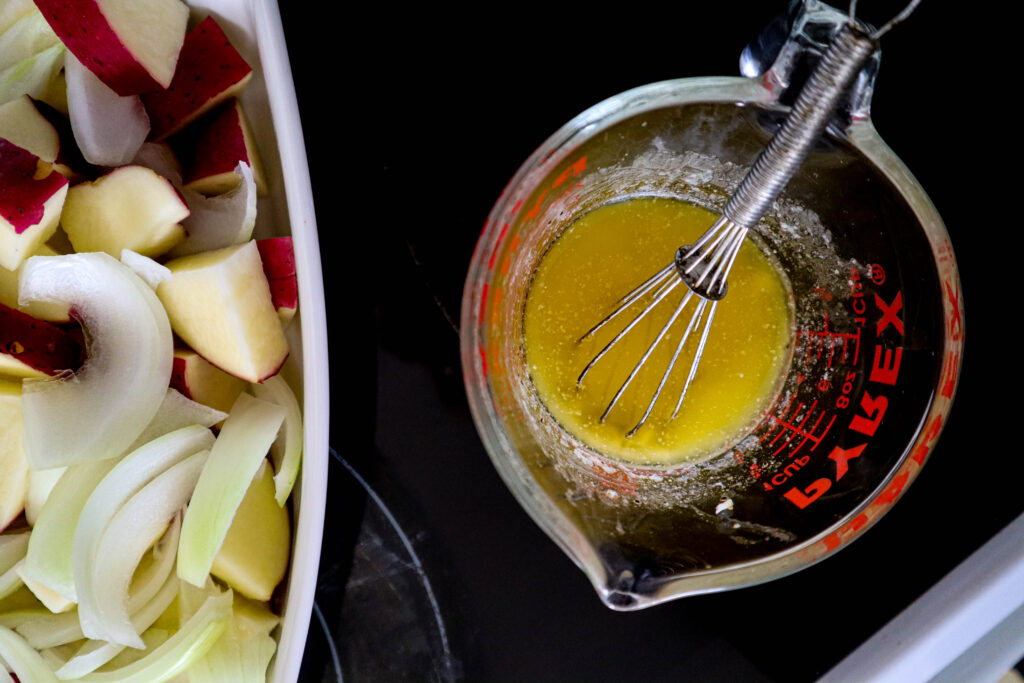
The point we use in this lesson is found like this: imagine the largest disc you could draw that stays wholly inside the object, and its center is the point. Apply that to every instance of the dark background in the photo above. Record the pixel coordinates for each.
(415, 119)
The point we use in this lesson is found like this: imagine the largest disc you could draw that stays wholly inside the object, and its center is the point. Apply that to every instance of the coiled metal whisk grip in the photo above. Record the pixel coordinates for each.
(806, 121)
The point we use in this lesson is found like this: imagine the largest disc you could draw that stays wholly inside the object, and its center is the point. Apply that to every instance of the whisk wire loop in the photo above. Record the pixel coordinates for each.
(659, 279)
(697, 357)
(694, 320)
(670, 283)
(647, 354)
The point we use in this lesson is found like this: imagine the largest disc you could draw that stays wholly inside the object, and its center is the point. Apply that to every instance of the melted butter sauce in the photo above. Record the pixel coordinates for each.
(597, 260)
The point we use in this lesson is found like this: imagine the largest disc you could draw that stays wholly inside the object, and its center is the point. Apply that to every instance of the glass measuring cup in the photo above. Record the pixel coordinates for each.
(875, 353)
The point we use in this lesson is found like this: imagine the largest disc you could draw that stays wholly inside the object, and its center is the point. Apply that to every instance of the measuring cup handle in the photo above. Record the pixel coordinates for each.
(808, 118)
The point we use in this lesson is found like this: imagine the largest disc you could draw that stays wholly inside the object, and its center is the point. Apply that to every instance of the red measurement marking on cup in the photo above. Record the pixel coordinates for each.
(890, 313)
(950, 374)
(532, 213)
(931, 434)
(616, 480)
(497, 245)
(577, 168)
(496, 305)
(506, 263)
(483, 300)
(956, 321)
(796, 427)
(818, 341)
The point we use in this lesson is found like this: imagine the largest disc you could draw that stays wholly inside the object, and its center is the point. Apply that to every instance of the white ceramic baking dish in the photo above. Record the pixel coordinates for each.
(254, 27)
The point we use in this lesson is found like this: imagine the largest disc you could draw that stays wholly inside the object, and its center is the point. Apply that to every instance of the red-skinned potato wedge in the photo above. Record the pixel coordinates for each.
(222, 140)
(203, 383)
(131, 45)
(30, 347)
(44, 310)
(219, 304)
(254, 556)
(23, 124)
(209, 72)
(13, 462)
(31, 198)
(132, 207)
(278, 258)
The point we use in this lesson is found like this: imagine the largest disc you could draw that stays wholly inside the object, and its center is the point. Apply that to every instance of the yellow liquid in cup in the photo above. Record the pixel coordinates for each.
(602, 256)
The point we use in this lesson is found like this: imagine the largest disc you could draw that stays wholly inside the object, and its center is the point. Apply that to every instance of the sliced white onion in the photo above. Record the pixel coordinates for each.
(175, 412)
(54, 657)
(49, 550)
(159, 157)
(45, 630)
(28, 36)
(50, 554)
(153, 638)
(148, 581)
(51, 599)
(192, 641)
(127, 478)
(243, 653)
(221, 221)
(234, 459)
(32, 75)
(40, 484)
(126, 540)
(10, 580)
(23, 660)
(151, 272)
(16, 618)
(108, 128)
(100, 410)
(95, 653)
(286, 452)
(12, 549)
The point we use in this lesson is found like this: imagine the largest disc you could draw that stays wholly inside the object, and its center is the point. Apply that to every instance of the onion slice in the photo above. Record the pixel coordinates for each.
(126, 540)
(17, 617)
(244, 440)
(221, 221)
(100, 410)
(45, 630)
(151, 272)
(32, 75)
(126, 479)
(286, 452)
(12, 549)
(192, 641)
(22, 659)
(159, 157)
(49, 549)
(10, 580)
(177, 411)
(95, 653)
(243, 653)
(108, 128)
(40, 484)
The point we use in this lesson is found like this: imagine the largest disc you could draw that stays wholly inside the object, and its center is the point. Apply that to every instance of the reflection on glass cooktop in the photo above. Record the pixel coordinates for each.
(385, 625)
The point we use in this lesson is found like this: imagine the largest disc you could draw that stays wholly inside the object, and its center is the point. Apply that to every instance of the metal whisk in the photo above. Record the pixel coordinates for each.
(704, 266)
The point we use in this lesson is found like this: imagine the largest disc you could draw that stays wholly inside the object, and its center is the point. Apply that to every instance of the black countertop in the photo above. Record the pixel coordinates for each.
(413, 131)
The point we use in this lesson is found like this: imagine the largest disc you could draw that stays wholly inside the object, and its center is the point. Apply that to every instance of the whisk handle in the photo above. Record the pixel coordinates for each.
(811, 112)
